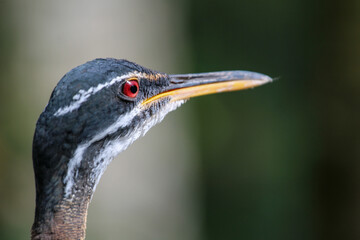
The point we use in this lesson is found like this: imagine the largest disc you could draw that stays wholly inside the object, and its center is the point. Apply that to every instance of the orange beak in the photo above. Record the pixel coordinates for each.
(185, 86)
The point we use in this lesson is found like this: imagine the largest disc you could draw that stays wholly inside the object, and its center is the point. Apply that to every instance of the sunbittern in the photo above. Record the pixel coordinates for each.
(96, 111)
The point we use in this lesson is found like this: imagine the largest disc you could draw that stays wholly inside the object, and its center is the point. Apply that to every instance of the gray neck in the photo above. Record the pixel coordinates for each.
(66, 220)
(59, 215)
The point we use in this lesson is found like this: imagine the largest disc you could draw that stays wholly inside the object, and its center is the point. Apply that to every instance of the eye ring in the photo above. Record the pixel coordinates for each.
(130, 89)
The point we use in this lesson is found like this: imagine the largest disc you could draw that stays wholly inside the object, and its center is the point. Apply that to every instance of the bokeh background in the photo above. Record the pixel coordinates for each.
(278, 162)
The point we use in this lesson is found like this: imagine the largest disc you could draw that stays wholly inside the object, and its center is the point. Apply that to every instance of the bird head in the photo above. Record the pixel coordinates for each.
(98, 109)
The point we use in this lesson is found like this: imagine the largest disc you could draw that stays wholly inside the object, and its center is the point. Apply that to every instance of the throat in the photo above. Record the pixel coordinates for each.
(66, 220)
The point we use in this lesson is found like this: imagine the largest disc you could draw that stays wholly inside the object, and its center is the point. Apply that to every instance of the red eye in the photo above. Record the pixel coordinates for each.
(131, 88)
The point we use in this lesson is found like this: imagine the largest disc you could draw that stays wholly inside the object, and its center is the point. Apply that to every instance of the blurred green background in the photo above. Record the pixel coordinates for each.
(278, 162)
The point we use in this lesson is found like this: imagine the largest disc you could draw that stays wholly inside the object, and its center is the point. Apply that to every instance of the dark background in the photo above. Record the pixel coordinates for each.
(278, 162)
(287, 165)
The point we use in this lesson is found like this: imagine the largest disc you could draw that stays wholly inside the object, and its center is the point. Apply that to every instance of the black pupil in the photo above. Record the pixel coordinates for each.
(133, 88)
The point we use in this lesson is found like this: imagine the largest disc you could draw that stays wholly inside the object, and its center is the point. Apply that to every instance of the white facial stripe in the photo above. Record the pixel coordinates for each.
(83, 95)
(102, 160)
(75, 161)
(115, 147)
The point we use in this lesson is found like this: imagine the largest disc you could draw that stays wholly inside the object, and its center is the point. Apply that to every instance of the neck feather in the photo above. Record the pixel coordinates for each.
(66, 220)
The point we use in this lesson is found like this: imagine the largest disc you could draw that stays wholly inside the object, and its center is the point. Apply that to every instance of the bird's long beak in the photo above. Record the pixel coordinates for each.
(185, 86)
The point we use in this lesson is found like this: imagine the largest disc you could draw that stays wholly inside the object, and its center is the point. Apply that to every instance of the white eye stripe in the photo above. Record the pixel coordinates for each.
(82, 95)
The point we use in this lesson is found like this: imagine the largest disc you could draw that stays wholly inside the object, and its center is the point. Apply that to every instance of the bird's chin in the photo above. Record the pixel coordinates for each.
(113, 140)
(116, 146)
